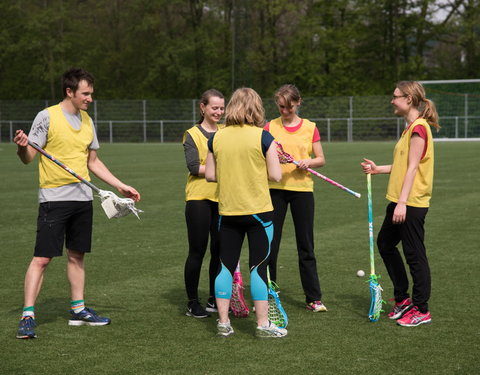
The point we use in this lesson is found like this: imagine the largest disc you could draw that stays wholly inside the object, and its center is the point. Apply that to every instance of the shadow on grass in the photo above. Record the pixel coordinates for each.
(354, 303)
(177, 299)
(58, 308)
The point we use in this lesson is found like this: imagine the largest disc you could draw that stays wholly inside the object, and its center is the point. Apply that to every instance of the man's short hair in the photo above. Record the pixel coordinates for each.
(72, 77)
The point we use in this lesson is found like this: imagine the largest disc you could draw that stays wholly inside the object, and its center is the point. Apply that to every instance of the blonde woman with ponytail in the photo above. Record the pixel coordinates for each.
(409, 192)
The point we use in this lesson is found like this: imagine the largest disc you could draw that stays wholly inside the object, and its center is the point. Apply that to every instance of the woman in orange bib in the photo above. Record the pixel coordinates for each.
(300, 138)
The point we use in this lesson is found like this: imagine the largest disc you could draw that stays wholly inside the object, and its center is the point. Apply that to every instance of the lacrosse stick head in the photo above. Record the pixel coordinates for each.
(376, 300)
(238, 305)
(283, 156)
(114, 206)
(276, 313)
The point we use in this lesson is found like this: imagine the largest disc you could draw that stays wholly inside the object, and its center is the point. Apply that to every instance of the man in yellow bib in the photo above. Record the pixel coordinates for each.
(65, 214)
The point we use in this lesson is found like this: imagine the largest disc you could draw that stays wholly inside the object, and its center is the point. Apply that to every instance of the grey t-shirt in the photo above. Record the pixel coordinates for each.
(38, 135)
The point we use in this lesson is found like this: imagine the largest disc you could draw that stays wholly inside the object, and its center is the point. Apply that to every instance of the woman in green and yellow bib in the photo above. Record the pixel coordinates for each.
(300, 138)
(201, 209)
(409, 192)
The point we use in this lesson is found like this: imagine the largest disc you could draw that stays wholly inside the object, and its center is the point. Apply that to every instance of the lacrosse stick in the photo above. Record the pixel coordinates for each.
(375, 288)
(276, 313)
(113, 205)
(285, 158)
(238, 306)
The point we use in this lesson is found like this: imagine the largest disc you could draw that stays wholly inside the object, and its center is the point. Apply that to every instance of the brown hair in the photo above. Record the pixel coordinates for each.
(426, 107)
(245, 107)
(205, 99)
(72, 77)
(289, 93)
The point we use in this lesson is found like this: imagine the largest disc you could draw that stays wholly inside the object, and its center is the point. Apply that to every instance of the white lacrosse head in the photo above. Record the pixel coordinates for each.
(114, 206)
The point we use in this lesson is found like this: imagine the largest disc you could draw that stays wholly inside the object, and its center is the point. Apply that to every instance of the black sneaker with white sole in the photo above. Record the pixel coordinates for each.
(211, 305)
(196, 310)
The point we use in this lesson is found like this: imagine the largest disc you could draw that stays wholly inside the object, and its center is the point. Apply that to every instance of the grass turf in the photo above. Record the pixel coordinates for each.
(135, 276)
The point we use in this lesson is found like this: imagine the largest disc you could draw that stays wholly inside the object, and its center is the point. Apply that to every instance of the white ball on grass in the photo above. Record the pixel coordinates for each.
(360, 273)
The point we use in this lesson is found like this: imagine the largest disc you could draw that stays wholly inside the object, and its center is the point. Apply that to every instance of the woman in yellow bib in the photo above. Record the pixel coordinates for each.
(300, 138)
(409, 191)
(201, 209)
(242, 158)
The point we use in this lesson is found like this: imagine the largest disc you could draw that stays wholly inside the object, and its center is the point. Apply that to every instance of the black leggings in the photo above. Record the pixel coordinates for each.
(202, 221)
(302, 206)
(411, 233)
(259, 231)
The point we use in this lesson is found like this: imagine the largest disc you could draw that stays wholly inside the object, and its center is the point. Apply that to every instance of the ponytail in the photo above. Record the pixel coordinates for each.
(430, 114)
(425, 106)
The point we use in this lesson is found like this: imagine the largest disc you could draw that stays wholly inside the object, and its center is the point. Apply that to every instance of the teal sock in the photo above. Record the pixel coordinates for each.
(77, 305)
(28, 311)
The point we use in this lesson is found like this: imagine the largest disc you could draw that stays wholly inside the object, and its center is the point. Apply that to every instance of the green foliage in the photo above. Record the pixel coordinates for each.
(178, 48)
(135, 276)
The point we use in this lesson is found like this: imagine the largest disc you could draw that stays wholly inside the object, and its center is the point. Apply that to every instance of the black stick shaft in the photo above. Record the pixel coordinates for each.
(59, 163)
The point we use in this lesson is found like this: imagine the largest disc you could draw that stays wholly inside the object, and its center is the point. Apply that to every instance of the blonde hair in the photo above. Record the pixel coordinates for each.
(289, 93)
(426, 107)
(245, 107)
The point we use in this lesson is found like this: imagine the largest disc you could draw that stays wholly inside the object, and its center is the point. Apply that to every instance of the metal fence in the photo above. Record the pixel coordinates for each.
(366, 118)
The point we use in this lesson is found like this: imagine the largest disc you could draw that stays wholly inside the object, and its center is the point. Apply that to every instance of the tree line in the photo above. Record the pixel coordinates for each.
(179, 48)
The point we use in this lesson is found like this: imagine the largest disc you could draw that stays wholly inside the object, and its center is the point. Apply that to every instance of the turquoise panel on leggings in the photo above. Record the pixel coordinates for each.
(258, 288)
(223, 284)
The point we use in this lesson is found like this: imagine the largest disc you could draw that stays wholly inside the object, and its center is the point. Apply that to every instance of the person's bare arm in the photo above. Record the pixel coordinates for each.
(210, 168)
(369, 166)
(317, 161)
(102, 172)
(417, 145)
(273, 164)
(25, 152)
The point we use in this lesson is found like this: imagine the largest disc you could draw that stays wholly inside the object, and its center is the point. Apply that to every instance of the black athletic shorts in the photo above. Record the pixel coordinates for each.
(66, 222)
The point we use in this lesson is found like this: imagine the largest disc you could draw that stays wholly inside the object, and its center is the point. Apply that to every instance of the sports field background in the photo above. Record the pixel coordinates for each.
(135, 276)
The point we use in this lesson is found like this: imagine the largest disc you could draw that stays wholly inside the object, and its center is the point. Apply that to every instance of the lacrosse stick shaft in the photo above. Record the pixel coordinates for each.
(289, 159)
(370, 223)
(111, 204)
(329, 180)
(59, 163)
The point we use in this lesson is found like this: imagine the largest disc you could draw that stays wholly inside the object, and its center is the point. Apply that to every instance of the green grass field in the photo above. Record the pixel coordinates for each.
(135, 276)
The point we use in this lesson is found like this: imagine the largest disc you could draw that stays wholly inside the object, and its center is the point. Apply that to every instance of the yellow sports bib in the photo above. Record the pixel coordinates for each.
(197, 187)
(68, 145)
(241, 171)
(299, 145)
(422, 184)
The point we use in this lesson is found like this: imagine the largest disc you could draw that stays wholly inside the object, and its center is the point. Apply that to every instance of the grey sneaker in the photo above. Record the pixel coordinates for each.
(224, 329)
(270, 331)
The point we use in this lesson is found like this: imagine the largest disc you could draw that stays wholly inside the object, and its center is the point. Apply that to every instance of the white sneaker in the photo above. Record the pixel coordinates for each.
(224, 329)
(270, 331)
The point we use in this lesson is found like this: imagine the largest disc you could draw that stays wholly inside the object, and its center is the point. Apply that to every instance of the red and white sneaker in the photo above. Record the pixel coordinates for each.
(414, 317)
(400, 308)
